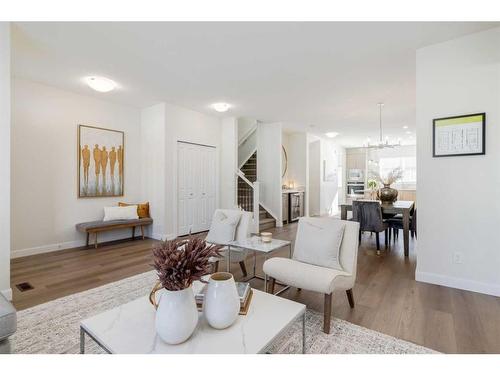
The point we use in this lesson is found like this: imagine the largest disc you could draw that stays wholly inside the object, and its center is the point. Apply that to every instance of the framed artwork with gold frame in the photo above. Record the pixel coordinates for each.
(101, 157)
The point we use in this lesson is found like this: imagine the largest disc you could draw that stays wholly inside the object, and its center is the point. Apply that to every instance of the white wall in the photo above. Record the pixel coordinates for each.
(458, 197)
(331, 194)
(325, 196)
(247, 139)
(296, 148)
(245, 125)
(314, 186)
(269, 168)
(183, 124)
(228, 165)
(153, 162)
(45, 205)
(5, 134)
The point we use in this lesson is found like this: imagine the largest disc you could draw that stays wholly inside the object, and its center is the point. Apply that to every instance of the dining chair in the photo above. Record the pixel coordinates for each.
(222, 237)
(396, 223)
(323, 261)
(369, 216)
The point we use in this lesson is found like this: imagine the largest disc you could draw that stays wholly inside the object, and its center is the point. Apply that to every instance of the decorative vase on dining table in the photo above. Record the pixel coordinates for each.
(387, 194)
(222, 303)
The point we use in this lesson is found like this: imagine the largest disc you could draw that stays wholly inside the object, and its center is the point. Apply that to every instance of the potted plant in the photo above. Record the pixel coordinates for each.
(179, 263)
(388, 194)
(372, 186)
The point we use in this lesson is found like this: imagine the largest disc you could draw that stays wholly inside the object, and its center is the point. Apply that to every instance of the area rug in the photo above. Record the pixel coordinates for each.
(53, 327)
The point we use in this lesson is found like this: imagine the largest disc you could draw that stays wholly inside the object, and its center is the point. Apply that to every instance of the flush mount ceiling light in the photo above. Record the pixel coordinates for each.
(100, 84)
(331, 134)
(405, 127)
(221, 107)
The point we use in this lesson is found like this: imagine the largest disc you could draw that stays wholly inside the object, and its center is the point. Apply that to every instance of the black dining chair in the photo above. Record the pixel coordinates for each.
(396, 223)
(369, 216)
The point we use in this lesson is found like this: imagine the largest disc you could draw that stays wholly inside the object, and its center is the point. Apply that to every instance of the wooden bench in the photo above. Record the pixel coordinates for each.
(103, 226)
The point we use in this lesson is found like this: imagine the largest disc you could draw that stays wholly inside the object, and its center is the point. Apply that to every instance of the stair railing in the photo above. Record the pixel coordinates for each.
(248, 197)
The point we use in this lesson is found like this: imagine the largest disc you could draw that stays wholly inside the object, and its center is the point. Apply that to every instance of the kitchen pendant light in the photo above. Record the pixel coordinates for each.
(381, 143)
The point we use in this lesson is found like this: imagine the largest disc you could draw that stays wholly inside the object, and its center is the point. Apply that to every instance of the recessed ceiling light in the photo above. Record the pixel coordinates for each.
(100, 84)
(405, 127)
(408, 132)
(331, 134)
(221, 107)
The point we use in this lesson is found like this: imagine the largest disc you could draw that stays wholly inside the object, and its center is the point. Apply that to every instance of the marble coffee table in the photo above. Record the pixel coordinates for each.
(130, 329)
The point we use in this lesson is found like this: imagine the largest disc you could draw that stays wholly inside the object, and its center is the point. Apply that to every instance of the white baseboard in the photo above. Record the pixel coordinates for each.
(7, 293)
(46, 248)
(69, 245)
(458, 283)
(163, 236)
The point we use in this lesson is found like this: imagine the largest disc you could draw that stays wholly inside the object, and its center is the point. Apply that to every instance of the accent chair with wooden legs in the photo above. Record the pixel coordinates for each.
(324, 261)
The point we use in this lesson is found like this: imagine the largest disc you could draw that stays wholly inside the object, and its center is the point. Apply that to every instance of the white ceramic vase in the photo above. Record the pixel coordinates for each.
(222, 304)
(176, 316)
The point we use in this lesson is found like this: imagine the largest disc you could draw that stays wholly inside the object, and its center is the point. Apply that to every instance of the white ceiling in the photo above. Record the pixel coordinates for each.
(328, 75)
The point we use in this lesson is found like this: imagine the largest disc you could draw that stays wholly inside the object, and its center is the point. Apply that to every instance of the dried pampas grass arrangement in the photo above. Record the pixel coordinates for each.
(181, 262)
(393, 176)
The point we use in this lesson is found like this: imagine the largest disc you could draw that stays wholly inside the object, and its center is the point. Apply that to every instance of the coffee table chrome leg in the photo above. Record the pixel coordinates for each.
(304, 333)
(82, 341)
(290, 247)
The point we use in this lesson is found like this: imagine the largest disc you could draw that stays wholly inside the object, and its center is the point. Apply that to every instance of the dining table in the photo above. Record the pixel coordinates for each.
(398, 207)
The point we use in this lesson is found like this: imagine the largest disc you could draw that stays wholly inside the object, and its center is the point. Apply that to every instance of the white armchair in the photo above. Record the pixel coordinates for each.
(317, 233)
(241, 232)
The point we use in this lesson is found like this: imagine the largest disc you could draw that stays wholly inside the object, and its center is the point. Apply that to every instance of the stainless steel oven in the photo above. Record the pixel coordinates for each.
(355, 188)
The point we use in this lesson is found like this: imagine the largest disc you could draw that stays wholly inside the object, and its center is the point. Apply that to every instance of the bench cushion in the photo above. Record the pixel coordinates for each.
(98, 224)
(8, 319)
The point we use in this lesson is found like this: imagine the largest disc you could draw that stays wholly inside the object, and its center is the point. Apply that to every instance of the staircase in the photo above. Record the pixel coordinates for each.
(245, 193)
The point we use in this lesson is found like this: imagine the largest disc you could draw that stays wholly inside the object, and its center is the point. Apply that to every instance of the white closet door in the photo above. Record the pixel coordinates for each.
(211, 185)
(207, 187)
(196, 187)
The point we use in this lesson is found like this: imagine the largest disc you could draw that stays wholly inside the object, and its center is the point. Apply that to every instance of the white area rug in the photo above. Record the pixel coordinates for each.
(53, 327)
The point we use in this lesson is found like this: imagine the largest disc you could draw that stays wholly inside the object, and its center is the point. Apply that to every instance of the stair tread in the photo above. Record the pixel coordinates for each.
(266, 220)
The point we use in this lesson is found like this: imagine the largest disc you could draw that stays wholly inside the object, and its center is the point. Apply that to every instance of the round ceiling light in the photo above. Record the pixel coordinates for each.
(100, 84)
(331, 134)
(221, 107)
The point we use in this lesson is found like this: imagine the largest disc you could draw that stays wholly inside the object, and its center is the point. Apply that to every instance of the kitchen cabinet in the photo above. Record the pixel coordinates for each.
(356, 159)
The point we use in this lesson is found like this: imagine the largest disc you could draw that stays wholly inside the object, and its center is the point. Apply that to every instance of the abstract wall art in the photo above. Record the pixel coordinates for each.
(101, 156)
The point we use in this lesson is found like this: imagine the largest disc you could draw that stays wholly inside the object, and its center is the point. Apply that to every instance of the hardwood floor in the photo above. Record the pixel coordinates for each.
(388, 299)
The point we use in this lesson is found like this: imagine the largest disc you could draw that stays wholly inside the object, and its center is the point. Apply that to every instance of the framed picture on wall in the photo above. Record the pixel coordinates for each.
(459, 135)
(101, 157)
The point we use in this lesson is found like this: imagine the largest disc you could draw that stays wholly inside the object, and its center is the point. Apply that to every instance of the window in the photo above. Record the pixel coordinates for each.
(408, 164)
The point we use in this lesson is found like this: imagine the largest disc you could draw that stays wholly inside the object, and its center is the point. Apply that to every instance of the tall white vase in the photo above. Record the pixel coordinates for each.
(176, 316)
(222, 304)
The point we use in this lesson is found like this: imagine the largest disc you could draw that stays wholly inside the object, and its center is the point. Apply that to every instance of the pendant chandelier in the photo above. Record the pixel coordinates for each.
(381, 143)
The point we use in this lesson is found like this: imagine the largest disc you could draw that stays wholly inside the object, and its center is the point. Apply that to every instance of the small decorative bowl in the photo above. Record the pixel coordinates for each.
(266, 236)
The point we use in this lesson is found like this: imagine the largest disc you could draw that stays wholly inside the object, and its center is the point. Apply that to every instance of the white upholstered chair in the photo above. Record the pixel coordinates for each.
(313, 277)
(241, 232)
